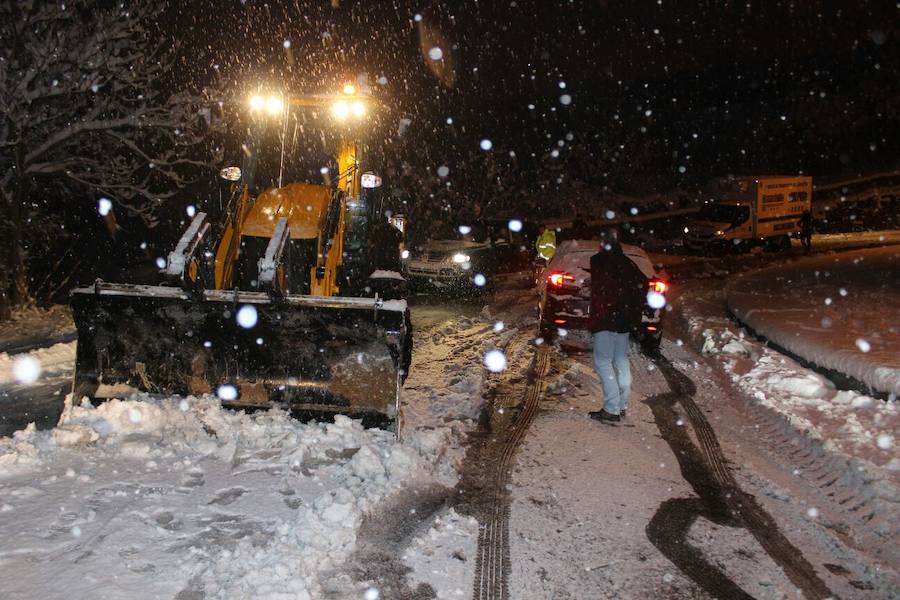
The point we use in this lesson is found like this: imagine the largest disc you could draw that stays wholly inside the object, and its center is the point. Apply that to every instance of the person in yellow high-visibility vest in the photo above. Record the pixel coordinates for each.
(546, 243)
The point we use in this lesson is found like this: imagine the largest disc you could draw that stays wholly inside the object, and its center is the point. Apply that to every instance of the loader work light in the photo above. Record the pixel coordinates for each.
(274, 105)
(341, 110)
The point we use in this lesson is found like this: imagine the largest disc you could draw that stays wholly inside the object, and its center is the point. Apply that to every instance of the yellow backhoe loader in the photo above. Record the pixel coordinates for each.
(275, 302)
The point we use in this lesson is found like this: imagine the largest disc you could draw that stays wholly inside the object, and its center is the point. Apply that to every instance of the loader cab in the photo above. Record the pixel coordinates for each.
(305, 206)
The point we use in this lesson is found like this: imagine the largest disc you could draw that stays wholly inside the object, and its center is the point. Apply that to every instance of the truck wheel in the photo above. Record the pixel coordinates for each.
(785, 243)
(778, 243)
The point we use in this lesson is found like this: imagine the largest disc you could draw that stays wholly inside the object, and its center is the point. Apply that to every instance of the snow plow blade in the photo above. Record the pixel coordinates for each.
(308, 353)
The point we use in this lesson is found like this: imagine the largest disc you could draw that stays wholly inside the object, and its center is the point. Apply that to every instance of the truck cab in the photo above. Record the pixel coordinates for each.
(743, 211)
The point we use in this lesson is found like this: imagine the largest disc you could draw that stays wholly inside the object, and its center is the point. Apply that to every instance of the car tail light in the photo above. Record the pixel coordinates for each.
(651, 327)
(559, 278)
(659, 286)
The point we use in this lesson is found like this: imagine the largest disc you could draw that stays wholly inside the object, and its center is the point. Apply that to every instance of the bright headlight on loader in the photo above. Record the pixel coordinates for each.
(341, 110)
(274, 105)
(257, 102)
(358, 109)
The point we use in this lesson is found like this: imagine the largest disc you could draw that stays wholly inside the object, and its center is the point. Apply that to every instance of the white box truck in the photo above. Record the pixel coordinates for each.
(744, 211)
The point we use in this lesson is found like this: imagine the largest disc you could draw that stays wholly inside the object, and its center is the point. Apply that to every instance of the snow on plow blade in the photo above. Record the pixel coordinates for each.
(331, 354)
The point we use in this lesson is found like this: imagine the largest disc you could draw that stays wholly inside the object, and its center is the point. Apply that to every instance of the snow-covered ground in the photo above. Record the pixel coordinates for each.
(38, 365)
(840, 312)
(584, 493)
(147, 497)
(33, 324)
(850, 436)
(177, 497)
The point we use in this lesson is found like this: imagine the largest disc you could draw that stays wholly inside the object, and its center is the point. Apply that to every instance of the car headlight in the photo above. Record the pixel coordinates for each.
(720, 232)
(460, 258)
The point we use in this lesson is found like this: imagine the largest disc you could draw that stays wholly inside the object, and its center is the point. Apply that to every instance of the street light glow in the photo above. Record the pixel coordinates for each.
(257, 102)
(358, 108)
(349, 89)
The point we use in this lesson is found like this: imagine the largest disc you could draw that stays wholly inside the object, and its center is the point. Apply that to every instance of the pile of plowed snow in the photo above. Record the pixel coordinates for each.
(220, 503)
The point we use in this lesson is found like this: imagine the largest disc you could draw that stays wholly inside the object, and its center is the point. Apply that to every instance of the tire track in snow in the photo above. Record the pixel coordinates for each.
(720, 499)
(493, 565)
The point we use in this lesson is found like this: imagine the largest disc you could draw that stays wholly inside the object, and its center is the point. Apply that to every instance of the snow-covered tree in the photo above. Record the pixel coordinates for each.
(87, 111)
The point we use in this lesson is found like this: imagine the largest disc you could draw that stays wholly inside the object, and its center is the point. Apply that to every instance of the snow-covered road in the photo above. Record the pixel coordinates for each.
(840, 312)
(178, 498)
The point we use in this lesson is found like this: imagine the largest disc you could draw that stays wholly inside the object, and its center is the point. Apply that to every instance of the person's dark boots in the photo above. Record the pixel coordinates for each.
(604, 417)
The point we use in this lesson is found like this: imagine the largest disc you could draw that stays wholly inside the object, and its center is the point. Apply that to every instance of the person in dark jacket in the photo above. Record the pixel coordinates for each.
(618, 290)
(806, 229)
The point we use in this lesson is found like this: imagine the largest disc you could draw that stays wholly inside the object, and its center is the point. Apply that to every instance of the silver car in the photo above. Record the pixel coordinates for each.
(565, 294)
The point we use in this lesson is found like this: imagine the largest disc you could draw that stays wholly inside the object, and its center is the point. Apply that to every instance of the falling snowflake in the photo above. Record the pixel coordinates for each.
(486, 144)
(498, 326)
(26, 369)
(435, 53)
(161, 262)
(227, 392)
(655, 299)
(372, 594)
(885, 441)
(465, 229)
(495, 361)
(863, 345)
(515, 225)
(247, 316)
(610, 214)
(443, 171)
(104, 206)
(565, 99)
(191, 210)
(479, 280)
(812, 512)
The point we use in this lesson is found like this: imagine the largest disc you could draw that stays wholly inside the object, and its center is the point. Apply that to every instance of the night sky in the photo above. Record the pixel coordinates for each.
(675, 92)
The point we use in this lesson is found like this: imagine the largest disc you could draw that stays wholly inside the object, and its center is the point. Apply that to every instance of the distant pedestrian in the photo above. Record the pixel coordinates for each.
(546, 243)
(617, 298)
(806, 229)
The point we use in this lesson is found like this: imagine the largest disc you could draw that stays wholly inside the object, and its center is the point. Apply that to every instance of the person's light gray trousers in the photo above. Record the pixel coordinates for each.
(611, 363)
